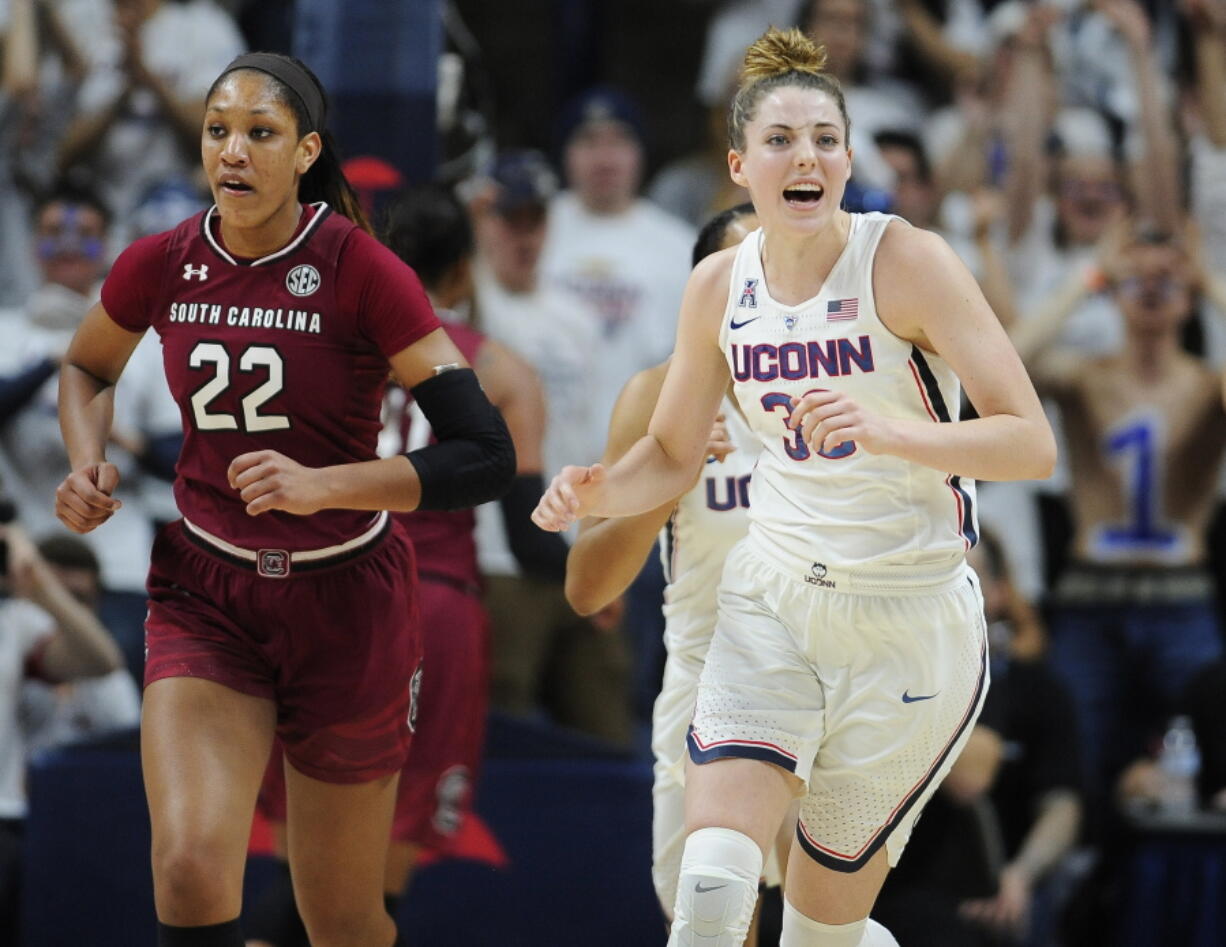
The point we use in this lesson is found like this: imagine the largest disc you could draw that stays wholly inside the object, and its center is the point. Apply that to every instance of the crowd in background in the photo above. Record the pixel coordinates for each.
(1074, 155)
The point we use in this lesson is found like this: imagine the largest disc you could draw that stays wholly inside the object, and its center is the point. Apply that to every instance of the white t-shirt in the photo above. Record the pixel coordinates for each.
(626, 272)
(56, 715)
(562, 344)
(23, 628)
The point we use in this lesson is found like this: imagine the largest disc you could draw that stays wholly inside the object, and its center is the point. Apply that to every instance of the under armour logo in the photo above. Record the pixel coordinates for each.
(201, 272)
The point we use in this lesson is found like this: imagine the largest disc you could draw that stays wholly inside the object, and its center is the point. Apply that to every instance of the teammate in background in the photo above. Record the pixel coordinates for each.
(849, 657)
(429, 230)
(696, 533)
(284, 601)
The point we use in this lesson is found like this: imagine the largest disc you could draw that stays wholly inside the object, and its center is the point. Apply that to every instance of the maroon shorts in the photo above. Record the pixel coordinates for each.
(335, 644)
(436, 784)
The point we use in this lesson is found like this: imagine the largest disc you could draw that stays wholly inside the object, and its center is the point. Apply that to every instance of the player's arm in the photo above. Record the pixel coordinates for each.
(515, 389)
(96, 357)
(926, 295)
(472, 463)
(609, 553)
(660, 466)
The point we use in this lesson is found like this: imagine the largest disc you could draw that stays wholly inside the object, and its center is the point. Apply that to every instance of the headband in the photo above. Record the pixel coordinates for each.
(294, 77)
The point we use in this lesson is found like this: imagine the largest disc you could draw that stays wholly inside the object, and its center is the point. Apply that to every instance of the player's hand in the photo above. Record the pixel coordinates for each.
(83, 502)
(719, 442)
(1009, 911)
(266, 480)
(569, 497)
(827, 419)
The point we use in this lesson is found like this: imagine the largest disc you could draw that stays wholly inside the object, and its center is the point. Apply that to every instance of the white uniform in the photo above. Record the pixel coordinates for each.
(709, 520)
(850, 646)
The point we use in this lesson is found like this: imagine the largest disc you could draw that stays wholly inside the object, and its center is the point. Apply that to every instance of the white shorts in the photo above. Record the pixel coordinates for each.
(865, 685)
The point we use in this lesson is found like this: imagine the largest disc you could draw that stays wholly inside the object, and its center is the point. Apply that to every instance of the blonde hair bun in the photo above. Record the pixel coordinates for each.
(778, 52)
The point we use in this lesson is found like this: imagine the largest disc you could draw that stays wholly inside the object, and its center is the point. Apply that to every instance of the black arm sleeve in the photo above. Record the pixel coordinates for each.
(539, 553)
(474, 459)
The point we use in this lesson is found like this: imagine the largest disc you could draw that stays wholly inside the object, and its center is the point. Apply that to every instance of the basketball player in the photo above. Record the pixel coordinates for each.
(696, 533)
(283, 602)
(848, 661)
(429, 229)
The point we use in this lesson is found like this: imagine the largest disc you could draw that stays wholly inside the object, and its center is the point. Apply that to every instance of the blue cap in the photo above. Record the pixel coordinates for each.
(524, 179)
(601, 104)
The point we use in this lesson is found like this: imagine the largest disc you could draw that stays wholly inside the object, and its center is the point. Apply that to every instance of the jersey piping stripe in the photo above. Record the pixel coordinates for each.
(306, 555)
(829, 858)
(934, 404)
(701, 752)
(321, 212)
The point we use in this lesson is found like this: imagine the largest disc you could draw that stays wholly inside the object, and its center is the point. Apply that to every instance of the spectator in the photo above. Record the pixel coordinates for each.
(71, 232)
(542, 654)
(44, 633)
(54, 715)
(1133, 615)
(619, 258)
(41, 72)
(140, 108)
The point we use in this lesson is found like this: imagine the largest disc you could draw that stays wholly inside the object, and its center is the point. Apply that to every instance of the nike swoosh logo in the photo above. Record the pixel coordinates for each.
(741, 325)
(908, 699)
(701, 890)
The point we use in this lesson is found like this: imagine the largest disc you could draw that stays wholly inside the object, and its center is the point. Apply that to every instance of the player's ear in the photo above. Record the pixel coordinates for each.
(736, 167)
(310, 147)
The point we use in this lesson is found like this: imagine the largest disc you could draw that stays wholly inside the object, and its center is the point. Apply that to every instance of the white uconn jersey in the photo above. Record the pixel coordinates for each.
(845, 507)
(709, 520)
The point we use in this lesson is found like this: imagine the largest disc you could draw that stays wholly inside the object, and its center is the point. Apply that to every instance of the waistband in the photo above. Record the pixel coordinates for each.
(923, 579)
(1086, 583)
(280, 563)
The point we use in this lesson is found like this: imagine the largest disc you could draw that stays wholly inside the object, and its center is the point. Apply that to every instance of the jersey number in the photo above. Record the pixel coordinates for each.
(1137, 446)
(253, 357)
(795, 446)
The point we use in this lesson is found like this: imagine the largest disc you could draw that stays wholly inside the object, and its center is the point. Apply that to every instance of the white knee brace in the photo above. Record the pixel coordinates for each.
(802, 931)
(717, 889)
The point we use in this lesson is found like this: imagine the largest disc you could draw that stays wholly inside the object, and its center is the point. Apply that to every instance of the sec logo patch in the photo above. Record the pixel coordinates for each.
(302, 280)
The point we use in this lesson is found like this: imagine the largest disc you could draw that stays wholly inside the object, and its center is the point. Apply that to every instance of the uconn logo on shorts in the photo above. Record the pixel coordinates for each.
(817, 576)
(302, 280)
(272, 563)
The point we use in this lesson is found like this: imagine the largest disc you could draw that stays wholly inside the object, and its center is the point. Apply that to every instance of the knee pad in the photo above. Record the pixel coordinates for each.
(717, 889)
(801, 931)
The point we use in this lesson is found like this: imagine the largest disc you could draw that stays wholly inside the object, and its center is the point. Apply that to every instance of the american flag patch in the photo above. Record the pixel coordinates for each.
(842, 310)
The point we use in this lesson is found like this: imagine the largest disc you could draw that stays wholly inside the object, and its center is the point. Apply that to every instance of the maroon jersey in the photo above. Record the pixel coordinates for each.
(288, 352)
(443, 540)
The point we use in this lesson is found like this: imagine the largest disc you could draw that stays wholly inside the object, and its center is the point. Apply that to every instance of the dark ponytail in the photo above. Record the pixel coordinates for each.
(295, 85)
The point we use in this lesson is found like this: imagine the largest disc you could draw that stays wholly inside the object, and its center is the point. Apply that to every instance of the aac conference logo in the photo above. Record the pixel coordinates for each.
(302, 280)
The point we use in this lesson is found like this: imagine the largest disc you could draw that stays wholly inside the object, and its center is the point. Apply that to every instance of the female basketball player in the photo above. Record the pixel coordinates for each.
(849, 659)
(282, 602)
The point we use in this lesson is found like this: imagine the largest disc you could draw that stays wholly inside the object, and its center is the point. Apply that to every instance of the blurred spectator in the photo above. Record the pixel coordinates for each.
(57, 714)
(44, 633)
(1133, 616)
(40, 73)
(542, 653)
(71, 230)
(697, 186)
(621, 260)
(844, 27)
(140, 109)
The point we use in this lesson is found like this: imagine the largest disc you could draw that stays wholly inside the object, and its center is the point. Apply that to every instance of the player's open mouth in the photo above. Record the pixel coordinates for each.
(803, 195)
(234, 186)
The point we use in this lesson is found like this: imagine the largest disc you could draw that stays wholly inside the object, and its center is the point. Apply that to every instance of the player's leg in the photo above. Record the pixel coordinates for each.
(203, 751)
(841, 900)
(733, 809)
(337, 834)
